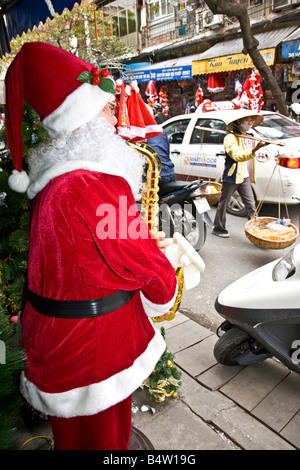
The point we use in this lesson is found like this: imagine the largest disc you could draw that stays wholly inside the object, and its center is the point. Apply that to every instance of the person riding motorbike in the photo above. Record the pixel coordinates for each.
(158, 114)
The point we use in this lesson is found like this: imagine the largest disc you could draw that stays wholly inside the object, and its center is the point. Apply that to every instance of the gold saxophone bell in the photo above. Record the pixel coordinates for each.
(150, 209)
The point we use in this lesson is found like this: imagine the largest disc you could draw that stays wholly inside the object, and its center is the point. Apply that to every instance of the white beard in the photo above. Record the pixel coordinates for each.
(95, 147)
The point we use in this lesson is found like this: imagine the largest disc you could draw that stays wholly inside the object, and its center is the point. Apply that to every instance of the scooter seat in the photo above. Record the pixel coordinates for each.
(171, 187)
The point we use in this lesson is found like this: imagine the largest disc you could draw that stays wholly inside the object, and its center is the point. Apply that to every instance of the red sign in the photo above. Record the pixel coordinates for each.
(208, 105)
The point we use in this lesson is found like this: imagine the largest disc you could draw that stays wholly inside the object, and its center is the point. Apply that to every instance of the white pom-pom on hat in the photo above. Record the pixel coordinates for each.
(19, 181)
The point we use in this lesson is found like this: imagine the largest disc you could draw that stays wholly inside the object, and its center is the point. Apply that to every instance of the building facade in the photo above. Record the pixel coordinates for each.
(181, 46)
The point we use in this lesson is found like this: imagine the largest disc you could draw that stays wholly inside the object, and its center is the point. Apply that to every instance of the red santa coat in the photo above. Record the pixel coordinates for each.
(83, 366)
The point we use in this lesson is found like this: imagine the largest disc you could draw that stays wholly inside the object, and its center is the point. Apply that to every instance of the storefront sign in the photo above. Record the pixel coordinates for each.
(228, 63)
(291, 49)
(166, 73)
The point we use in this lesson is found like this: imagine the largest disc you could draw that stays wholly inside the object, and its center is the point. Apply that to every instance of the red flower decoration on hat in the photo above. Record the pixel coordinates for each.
(99, 78)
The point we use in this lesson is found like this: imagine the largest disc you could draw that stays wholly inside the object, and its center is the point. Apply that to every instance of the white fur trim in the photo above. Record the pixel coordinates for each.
(124, 132)
(96, 397)
(142, 131)
(154, 310)
(19, 181)
(78, 108)
(67, 167)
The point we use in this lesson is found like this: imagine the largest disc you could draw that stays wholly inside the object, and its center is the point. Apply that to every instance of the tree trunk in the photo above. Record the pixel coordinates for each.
(231, 8)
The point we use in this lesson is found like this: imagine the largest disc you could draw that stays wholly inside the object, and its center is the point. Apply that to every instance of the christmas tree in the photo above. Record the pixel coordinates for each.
(14, 222)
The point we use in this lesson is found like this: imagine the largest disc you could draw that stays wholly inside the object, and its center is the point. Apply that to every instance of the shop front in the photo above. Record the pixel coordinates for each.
(217, 74)
(170, 81)
(225, 64)
(288, 71)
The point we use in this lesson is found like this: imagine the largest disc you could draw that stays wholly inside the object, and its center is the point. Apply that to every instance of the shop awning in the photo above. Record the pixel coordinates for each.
(21, 15)
(227, 56)
(291, 46)
(174, 69)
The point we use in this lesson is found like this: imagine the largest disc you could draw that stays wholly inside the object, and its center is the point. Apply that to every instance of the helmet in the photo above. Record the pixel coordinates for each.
(158, 106)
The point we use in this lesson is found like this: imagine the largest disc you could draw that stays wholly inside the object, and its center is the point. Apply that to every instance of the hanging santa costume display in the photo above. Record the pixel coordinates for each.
(151, 93)
(198, 96)
(135, 121)
(86, 326)
(216, 82)
(253, 91)
(163, 99)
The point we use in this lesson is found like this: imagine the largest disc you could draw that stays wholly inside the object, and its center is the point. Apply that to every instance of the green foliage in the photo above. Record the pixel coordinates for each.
(14, 222)
(75, 32)
(11, 365)
(14, 218)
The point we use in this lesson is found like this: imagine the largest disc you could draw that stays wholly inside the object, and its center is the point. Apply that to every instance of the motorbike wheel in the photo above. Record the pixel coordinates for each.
(190, 225)
(230, 346)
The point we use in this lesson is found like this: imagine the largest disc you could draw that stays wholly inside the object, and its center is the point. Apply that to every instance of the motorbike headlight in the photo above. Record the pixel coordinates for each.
(285, 268)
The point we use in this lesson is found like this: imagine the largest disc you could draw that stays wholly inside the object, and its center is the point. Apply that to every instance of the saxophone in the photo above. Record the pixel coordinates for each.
(150, 209)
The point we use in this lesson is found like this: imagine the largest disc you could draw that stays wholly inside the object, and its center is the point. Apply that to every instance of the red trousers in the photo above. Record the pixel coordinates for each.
(108, 430)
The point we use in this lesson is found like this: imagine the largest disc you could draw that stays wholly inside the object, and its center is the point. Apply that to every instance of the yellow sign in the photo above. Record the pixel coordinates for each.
(228, 63)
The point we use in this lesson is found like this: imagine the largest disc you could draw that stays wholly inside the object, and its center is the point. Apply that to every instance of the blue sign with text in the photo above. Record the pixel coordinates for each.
(166, 73)
(291, 49)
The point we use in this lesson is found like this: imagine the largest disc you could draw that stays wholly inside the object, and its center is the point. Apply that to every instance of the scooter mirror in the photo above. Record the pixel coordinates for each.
(287, 266)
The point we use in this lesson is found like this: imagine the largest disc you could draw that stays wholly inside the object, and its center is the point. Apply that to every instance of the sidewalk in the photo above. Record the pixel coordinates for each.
(218, 407)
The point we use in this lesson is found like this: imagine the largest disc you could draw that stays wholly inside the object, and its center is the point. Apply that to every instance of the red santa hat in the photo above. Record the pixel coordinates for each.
(142, 123)
(47, 78)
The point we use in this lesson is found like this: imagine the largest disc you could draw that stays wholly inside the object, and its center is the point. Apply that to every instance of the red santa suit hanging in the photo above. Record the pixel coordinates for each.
(253, 91)
(151, 93)
(198, 96)
(163, 99)
(123, 126)
(216, 82)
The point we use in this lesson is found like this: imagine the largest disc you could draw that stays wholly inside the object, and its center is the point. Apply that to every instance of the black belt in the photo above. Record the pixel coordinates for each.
(79, 308)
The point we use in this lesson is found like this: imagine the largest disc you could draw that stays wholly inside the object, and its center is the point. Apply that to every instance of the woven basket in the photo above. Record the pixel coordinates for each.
(260, 223)
(213, 198)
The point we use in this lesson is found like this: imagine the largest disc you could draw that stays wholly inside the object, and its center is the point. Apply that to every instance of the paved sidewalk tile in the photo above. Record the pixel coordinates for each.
(254, 383)
(217, 376)
(242, 428)
(281, 405)
(197, 358)
(291, 431)
(184, 335)
(178, 428)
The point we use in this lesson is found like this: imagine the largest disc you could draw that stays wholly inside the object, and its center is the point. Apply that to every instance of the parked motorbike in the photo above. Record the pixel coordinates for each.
(262, 315)
(183, 209)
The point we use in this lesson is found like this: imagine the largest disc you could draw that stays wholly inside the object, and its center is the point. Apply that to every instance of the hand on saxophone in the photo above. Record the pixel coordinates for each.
(161, 243)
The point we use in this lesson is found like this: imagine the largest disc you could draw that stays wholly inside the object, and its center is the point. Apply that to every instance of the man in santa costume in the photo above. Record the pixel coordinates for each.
(95, 275)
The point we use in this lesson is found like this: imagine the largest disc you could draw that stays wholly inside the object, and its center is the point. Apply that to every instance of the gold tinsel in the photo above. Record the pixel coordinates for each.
(161, 384)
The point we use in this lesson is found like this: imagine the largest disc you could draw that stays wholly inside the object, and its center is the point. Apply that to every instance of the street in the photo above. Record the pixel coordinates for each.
(227, 260)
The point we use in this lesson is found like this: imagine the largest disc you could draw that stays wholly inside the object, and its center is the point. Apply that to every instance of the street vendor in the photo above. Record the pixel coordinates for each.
(239, 168)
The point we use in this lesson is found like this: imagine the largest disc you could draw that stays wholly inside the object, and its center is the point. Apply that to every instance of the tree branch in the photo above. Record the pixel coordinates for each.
(231, 8)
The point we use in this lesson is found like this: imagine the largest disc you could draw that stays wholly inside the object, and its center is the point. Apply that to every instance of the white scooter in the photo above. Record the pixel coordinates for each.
(262, 313)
